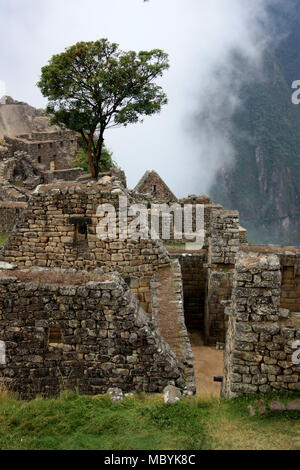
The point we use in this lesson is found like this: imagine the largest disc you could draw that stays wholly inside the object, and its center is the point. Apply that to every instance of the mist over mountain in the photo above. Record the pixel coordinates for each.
(262, 181)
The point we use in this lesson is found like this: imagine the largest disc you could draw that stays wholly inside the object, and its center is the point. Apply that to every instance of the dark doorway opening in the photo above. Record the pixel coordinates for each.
(81, 232)
(194, 290)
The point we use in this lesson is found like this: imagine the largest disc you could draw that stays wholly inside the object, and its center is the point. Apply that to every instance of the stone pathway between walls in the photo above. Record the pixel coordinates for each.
(208, 362)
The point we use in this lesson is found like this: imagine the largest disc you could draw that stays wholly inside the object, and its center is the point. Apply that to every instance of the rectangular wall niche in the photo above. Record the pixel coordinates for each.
(55, 336)
(81, 231)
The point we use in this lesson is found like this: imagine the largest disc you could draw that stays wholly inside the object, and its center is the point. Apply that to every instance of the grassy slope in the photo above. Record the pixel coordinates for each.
(140, 423)
(3, 238)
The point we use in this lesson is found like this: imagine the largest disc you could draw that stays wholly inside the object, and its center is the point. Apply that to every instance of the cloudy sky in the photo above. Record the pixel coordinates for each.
(198, 35)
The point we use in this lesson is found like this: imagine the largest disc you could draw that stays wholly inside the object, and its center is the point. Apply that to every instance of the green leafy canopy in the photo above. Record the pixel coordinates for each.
(94, 86)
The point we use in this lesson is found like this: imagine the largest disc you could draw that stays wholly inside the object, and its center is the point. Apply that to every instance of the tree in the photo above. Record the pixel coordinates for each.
(94, 86)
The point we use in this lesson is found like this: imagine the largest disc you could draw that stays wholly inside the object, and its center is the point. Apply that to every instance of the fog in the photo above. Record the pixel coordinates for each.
(202, 82)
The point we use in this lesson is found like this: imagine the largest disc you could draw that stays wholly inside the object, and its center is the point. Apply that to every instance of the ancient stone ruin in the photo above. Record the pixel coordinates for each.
(81, 331)
(151, 183)
(80, 311)
(31, 152)
(264, 323)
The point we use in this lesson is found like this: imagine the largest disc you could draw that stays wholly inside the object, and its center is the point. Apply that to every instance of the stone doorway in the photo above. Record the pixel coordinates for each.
(208, 361)
(194, 276)
(53, 163)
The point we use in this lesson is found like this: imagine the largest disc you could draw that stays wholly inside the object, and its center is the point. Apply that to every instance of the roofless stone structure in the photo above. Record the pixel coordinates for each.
(80, 311)
(151, 183)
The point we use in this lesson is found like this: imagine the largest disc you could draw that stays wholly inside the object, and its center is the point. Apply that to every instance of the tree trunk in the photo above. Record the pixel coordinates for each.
(93, 163)
(99, 150)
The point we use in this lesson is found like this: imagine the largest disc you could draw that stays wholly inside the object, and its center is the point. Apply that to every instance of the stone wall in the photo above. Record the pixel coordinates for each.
(9, 213)
(189, 227)
(5, 151)
(225, 237)
(68, 330)
(69, 174)
(48, 235)
(219, 290)
(54, 150)
(58, 136)
(261, 336)
(169, 318)
(194, 277)
(151, 183)
(224, 243)
(21, 171)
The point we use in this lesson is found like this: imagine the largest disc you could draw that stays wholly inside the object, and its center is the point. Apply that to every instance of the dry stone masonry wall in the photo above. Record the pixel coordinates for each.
(54, 150)
(261, 335)
(194, 277)
(224, 243)
(62, 330)
(9, 213)
(169, 318)
(48, 235)
(152, 184)
(97, 333)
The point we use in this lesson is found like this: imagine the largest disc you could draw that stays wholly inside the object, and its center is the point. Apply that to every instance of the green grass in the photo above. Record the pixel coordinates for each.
(141, 423)
(3, 238)
(175, 244)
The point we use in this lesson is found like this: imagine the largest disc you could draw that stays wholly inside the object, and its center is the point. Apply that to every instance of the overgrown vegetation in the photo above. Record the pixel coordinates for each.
(175, 244)
(82, 161)
(142, 423)
(3, 238)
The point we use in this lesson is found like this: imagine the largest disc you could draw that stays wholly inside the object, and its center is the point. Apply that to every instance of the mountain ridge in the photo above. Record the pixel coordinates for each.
(263, 181)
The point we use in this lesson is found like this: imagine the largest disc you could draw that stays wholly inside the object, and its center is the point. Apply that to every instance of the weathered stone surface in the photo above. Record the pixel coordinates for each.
(249, 294)
(276, 405)
(172, 394)
(261, 407)
(115, 394)
(294, 405)
(68, 337)
(266, 336)
(151, 183)
(7, 266)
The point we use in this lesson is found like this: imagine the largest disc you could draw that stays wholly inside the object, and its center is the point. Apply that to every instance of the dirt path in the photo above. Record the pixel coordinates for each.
(208, 362)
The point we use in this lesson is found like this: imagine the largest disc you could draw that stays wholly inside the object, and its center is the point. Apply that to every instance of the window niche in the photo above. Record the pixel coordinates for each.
(80, 232)
(55, 336)
(53, 163)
